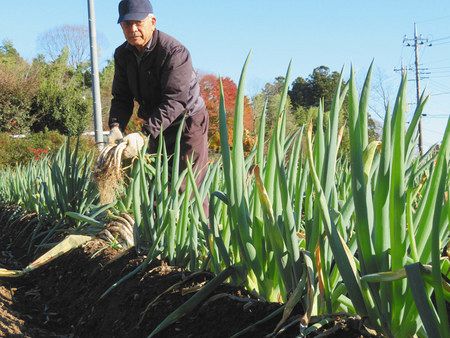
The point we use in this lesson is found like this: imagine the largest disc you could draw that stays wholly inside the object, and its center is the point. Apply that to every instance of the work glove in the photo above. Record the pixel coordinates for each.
(135, 142)
(115, 135)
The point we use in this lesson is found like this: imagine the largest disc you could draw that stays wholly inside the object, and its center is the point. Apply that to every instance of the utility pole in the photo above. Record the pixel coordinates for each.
(95, 78)
(416, 64)
(416, 41)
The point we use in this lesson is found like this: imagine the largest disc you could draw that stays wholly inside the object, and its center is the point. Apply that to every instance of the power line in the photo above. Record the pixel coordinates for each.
(441, 72)
(441, 77)
(435, 19)
(441, 43)
(444, 38)
(437, 94)
(441, 86)
(440, 60)
(433, 131)
(434, 68)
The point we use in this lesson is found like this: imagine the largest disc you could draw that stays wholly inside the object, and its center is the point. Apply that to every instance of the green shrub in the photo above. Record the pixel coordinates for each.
(61, 103)
(15, 151)
(18, 86)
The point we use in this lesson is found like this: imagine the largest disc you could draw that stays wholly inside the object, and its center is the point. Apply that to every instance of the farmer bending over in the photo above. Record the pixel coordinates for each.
(156, 70)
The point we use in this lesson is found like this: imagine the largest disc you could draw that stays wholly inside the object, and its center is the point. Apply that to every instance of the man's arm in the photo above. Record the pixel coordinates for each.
(122, 101)
(176, 76)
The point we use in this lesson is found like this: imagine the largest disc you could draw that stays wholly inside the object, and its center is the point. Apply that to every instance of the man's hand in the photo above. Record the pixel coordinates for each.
(135, 142)
(115, 135)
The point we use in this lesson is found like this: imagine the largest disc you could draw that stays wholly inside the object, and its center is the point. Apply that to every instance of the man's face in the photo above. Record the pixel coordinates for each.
(139, 33)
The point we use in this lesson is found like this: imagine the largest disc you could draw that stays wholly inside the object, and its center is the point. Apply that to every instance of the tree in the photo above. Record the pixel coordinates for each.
(274, 88)
(61, 103)
(73, 37)
(18, 86)
(106, 81)
(39, 95)
(321, 83)
(380, 97)
(306, 95)
(271, 93)
(210, 91)
(8, 54)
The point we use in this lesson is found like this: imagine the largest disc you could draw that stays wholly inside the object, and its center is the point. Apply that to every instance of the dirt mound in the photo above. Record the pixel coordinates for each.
(62, 299)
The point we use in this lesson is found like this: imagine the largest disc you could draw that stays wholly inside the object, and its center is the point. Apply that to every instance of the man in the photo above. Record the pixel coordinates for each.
(156, 70)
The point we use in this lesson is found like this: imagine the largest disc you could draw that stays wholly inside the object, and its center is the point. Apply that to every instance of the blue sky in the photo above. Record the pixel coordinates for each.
(219, 35)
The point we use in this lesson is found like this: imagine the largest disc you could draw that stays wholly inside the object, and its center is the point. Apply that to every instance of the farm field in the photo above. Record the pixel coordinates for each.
(300, 238)
(62, 299)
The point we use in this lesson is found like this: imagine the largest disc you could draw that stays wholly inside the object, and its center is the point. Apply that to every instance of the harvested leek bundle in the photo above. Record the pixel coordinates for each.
(119, 230)
(108, 172)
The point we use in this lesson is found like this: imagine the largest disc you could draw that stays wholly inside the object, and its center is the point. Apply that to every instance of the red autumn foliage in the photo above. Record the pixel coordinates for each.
(38, 153)
(210, 91)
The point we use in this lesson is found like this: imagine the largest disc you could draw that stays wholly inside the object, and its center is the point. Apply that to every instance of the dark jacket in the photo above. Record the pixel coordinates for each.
(164, 84)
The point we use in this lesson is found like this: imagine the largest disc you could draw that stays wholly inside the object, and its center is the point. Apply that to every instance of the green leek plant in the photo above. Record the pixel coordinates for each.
(154, 198)
(360, 234)
(251, 218)
(167, 223)
(263, 212)
(49, 188)
(395, 212)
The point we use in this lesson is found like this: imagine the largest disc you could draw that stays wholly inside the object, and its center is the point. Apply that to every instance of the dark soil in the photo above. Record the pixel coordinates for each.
(62, 299)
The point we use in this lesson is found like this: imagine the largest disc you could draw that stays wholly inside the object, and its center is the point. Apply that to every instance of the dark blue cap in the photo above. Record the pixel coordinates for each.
(134, 10)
